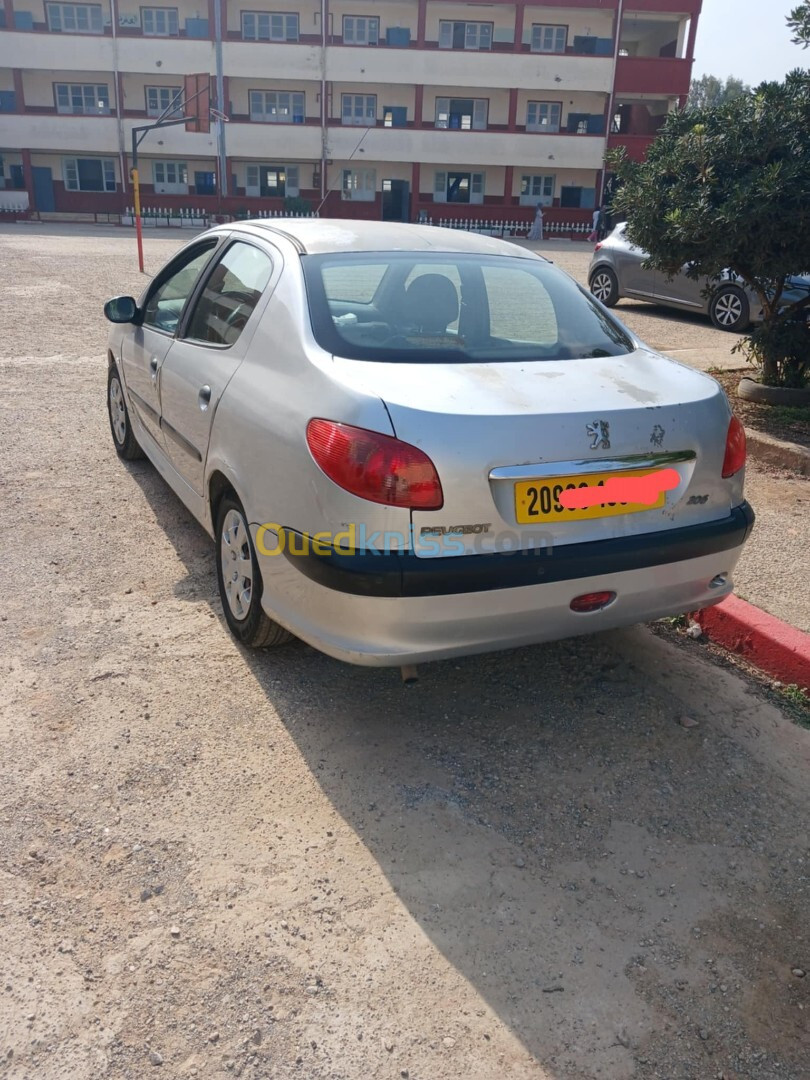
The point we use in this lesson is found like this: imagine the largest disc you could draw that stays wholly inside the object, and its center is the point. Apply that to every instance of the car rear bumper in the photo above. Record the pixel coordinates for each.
(401, 609)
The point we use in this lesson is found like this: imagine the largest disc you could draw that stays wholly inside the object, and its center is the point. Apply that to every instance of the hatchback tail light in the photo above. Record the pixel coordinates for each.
(735, 448)
(598, 246)
(374, 466)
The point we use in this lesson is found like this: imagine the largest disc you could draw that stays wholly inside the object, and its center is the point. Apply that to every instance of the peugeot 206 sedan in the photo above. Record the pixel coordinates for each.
(411, 443)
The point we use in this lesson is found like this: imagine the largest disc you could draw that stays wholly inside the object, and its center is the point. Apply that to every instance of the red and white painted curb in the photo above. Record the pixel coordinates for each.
(769, 644)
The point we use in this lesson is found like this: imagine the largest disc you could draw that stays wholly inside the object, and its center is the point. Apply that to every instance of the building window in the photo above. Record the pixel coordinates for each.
(549, 39)
(458, 187)
(272, 181)
(536, 189)
(89, 174)
(360, 31)
(359, 185)
(359, 110)
(543, 116)
(465, 35)
(159, 22)
(462, 114)
(170, 177)
(82, 99)
(160, 98)
(269, 26)
(75, 18)
(276, 107)
(395, 116)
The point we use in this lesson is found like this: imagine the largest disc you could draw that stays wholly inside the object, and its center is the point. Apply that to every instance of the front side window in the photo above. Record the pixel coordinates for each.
(359, 30)
(165, 303)
(513, 309)
(82, 99)
(230, 295)
(161, 98)
(462, 114)
(75, 18)
(536, 189)
(89, 174)
(543, 116)
(465, 35)
(549, 39)
(359, 185)
(159, 22)
(359, 110)
(277, 107)
(269, 26)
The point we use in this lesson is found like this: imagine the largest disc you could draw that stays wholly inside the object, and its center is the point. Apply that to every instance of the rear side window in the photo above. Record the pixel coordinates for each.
(441, 308)
(230, 294)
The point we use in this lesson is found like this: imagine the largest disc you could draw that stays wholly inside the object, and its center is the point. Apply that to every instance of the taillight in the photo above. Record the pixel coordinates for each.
(735, 448)
(598, 246)
(374, 466)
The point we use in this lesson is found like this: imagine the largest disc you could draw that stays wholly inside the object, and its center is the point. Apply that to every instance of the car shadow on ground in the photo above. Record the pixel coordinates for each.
(579, 858)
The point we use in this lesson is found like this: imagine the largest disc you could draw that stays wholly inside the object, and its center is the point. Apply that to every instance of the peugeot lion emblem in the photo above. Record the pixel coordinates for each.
(599, 432)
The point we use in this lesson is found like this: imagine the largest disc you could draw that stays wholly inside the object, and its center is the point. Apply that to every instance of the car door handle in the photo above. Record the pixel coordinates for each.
(204, 397)
(153, 367)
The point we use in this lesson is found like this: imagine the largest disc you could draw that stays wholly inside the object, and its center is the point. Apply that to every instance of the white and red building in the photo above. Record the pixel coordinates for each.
(382, 108)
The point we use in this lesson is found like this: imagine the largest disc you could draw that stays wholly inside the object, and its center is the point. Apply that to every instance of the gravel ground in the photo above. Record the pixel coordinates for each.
(582, 860)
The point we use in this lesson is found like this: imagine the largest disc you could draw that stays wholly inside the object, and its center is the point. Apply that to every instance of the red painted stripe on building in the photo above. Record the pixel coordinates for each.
(763, 640)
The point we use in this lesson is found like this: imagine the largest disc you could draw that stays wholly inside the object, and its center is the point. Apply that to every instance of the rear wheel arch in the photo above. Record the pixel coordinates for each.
(218, 487)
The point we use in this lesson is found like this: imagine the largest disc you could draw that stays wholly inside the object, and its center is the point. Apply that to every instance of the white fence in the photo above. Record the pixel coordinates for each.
(13, 202)
(177, 218)
(512, 228)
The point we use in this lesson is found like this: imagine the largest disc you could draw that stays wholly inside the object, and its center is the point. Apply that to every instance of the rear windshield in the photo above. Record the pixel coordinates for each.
(414, 306)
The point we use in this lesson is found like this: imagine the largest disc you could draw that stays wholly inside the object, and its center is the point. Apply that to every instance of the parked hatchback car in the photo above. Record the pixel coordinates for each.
(617, 270)
(384, 428)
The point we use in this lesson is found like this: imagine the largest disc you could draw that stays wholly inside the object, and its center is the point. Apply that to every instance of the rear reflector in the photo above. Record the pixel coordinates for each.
(735, 448)
(374, 466)
(592, 601)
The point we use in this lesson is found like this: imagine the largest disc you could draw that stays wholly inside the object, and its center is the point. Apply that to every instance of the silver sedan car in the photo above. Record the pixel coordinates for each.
(411, 443)
(617, 269)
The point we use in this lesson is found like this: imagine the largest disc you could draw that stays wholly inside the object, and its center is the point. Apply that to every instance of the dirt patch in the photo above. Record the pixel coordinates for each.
(782, 422)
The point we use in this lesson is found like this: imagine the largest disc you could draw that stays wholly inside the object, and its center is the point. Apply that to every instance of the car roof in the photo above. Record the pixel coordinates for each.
(316, 236)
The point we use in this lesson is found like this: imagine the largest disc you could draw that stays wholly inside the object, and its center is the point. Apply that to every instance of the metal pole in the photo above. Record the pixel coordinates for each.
(324, 116)
(619, 17)
(222, 105)
(118, 103)
(136, 194)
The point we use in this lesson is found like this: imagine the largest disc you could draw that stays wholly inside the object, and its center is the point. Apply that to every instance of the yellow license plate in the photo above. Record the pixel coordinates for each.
(536, 501)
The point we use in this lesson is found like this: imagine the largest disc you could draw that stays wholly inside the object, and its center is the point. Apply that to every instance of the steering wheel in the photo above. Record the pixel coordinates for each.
(243, 298)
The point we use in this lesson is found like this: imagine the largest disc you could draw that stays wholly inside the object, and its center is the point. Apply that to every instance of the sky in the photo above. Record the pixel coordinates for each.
(748, 39)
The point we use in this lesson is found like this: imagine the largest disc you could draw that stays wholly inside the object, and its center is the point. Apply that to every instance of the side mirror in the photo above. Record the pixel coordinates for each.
(121, 309)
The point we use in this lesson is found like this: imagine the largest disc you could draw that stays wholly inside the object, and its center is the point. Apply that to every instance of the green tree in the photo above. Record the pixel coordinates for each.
(799, 23)
(727, 188)
(708, 91)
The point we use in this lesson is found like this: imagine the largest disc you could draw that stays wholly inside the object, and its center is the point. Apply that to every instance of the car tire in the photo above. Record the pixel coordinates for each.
(126, 445)
(729, 309)
(605, 286)
(240, 580)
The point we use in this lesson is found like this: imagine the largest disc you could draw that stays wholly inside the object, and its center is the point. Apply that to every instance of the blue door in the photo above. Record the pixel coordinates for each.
(43, 188)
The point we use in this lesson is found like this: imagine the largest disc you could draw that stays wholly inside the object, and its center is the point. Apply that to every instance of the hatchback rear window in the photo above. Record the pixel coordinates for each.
(414, 306)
